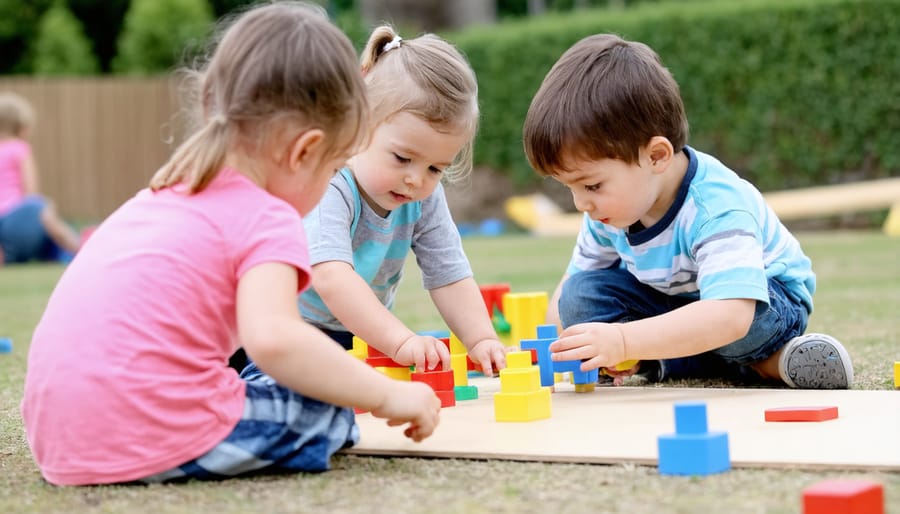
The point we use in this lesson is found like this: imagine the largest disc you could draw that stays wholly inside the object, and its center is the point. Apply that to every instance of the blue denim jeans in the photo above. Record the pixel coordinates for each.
(22, 235)
(616, 296)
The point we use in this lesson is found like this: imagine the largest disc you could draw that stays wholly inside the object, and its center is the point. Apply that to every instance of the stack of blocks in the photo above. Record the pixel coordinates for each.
(521, 397)
(460, 363)
(693, 449)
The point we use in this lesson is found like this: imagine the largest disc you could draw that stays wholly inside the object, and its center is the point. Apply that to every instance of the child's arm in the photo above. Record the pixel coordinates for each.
(352, 302)
(302, 358)
(462, 307)
(695, 328)
(30, 184)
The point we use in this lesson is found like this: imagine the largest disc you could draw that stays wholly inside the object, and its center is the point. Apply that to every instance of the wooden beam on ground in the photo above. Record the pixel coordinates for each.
(837, 199)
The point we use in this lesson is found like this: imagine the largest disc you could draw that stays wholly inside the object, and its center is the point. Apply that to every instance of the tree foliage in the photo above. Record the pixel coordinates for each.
(159, 34)
(61, 47)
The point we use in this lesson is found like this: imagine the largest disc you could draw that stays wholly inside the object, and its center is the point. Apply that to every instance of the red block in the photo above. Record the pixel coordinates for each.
(492, 294)
(448, 398)
(801, 414)
(438, 380)
(844, 497)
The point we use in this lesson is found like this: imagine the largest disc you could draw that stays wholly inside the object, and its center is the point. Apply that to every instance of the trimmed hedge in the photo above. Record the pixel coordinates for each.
(787, 92)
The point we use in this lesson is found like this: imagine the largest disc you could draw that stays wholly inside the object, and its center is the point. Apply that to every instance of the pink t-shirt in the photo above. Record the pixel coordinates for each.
(12, 153)
(127, 371)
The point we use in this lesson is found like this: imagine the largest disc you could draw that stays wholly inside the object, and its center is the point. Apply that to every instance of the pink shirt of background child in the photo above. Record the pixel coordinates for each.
(127, 376)
(12, 153)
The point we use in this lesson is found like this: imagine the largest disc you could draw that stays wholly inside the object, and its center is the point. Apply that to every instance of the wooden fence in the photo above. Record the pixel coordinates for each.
(97, 141)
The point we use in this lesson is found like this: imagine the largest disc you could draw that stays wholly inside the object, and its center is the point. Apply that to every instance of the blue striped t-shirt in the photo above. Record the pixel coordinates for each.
(718, 240)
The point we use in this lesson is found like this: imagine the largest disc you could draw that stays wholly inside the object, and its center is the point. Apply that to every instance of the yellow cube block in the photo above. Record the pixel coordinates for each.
(360, 346)
(518, 359)
(520, 380)
(529, 406)
(460, 369)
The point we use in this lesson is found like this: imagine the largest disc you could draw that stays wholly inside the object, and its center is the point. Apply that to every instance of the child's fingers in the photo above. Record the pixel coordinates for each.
(443, 354)
(486, 367)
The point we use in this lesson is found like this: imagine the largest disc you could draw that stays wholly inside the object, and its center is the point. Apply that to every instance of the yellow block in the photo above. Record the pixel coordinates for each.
(892, 222)
(520, 380)
(625, 365)
(529, 406)
(460, 369)
(524, 312)
(897, 374)
(360, 346)
(395, 373)
(518, 359)
(456, 345)
(361, 355)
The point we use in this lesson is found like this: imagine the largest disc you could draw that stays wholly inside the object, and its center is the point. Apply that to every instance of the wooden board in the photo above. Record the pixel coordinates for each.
(621, 424)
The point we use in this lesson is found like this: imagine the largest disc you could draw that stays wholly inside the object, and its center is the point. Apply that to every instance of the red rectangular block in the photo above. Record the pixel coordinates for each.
(844, 497)
(438, 380)
(801, 413)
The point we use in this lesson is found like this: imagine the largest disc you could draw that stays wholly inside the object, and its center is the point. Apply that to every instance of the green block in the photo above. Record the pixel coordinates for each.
(465, 393)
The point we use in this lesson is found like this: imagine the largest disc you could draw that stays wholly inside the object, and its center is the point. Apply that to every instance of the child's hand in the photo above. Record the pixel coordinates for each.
(597, 344)
(414, 403)
(425, 352)
(486, 352)
(619, 375)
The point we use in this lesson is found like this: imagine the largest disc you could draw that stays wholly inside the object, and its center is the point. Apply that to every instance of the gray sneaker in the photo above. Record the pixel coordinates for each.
(816, 361)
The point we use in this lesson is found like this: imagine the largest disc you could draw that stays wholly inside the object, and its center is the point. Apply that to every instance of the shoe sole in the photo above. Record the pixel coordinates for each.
(817, 361)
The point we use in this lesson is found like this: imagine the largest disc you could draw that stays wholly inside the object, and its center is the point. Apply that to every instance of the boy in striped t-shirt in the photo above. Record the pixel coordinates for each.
(680, 264)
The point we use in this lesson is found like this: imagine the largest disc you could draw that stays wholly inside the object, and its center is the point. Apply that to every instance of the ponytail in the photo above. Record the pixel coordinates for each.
(196, 161)
(377, 46)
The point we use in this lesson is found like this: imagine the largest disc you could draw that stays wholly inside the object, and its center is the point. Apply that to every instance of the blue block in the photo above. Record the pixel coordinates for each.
(435, 333)
(566, 366)
(546, 332)
(695, 454)
(542, 348)
(5, 345)
(690, 418)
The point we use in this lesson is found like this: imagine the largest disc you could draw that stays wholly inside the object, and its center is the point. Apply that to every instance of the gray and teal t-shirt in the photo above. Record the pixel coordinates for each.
(344, 228)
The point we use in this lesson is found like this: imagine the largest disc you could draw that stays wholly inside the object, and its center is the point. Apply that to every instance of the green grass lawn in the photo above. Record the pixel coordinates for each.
(857, 301)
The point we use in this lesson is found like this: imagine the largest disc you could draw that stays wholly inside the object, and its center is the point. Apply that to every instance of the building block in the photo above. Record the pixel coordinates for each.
(574, 367)
(692, 450)
(897, 375)
(844, 497)
(459, 365)
(439, 380)
(395, 373)
(690, 418)
(520, 380)
(519, 360)
(448, 398)
(547, 332)
(456, 345)
(465, 392)
(530, 406)
(6, 345)
(801, 413)
(377, 359)
(524, 312)
(625, 365)
(542, 348)
(492, 294)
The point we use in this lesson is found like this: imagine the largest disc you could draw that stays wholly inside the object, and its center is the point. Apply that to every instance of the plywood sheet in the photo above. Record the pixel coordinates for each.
(621, 424)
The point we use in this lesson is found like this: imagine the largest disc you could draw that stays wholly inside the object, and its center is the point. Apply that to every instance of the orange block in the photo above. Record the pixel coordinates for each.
(801, 414)
(844, 497)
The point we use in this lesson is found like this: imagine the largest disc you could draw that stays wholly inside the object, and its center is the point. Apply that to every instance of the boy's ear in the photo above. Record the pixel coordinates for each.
(307, 148)
(659, 151)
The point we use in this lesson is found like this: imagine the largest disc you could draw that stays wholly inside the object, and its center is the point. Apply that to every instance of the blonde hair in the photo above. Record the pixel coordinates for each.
(427, 77)
(276, 65)
(16, 115)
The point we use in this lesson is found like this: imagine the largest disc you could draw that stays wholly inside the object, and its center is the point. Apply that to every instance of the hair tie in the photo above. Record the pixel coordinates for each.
(392, 44)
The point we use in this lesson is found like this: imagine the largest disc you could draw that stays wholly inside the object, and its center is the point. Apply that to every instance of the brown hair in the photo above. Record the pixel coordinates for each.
(16, 115)
(604, 98)
(427, 77)
(276, 65)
